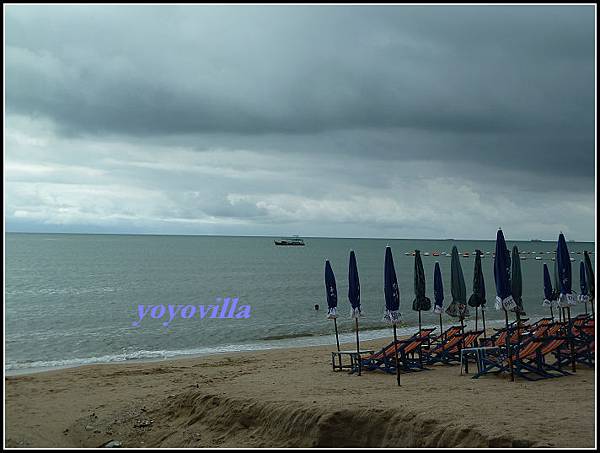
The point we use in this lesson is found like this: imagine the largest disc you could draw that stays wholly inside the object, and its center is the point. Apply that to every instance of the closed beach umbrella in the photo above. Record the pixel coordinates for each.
(583, 293)
(504, 299)
(556, 291)
(548, 291)
(421, 301)
(458, 306)
(589, 272)
(516, 281)
(391, 292)
(438, 293)
(563, 261)
(477, 299)
(354, 295)
(566, 297)
(331, 291)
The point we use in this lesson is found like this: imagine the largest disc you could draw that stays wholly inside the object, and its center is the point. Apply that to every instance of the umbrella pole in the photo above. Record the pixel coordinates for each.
(551, 312)
(420, 350)
(462, 329)
(509, 352)
(476, 313)
(396, 354)
(483, 320)
(585, 305)
(441, 327)
(570, 335)
(337, 338)
(357, 346)
(592, 305)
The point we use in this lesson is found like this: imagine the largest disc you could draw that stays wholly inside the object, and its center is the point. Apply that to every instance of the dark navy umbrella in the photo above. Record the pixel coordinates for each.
(563, 261)
(421, 301)
(504, 299)
(438, 293)
(589, 272)
(354, 286)
(391, 290)
(548, 291)
(477, 299)
(331, 291)
(566, 297)
(354, 295)
(583, 293)
(516, 281)
(392, 300)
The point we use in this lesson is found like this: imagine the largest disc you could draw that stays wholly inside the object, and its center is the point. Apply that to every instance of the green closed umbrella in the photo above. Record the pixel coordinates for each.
(477, 299)
(421, 301)
(516, 281)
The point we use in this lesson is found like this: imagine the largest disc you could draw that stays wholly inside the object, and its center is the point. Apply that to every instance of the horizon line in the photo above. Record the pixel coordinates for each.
(275, 236)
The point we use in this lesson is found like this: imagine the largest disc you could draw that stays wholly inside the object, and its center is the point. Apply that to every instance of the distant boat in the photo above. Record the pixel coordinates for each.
(294, 240)
(435, 253)
(426, 254)
(538, 258)
(536, 240)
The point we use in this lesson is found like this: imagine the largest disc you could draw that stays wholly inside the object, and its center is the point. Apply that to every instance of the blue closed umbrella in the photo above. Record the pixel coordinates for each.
(438, 293)
(516, 281)
(391, 290)
(504, 299)
(354, 296)
(566, 297)
(392, 300)
(589, 272)
(583, 294)
(548, 291)
(502, 269)
(563, 262)
(331, 291)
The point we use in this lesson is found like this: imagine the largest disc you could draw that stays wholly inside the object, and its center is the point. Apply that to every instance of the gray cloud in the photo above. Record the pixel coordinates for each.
(321, 104)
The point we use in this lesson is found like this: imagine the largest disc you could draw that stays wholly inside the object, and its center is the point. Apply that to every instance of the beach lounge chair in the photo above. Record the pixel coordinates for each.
(584, 350)
(447, 334)
(528, 359)
(449, 351)
(499, 338)
(385, 359)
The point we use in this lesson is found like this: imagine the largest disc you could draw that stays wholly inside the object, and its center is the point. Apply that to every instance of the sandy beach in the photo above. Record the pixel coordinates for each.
(292, 398)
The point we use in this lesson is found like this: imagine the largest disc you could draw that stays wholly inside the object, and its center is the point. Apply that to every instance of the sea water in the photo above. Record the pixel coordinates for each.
(73, 299)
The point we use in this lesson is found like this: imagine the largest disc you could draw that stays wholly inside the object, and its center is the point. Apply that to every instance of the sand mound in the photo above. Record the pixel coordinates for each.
(197, 419)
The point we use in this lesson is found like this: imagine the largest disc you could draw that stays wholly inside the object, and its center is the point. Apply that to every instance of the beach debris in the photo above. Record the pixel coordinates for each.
(112, 444)
(89, 427)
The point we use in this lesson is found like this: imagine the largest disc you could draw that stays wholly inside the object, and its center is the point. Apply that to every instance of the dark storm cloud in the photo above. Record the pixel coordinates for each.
(495, 103)
(302, 70)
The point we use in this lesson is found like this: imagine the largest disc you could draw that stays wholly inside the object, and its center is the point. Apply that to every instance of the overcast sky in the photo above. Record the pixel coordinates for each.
(404, 122)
